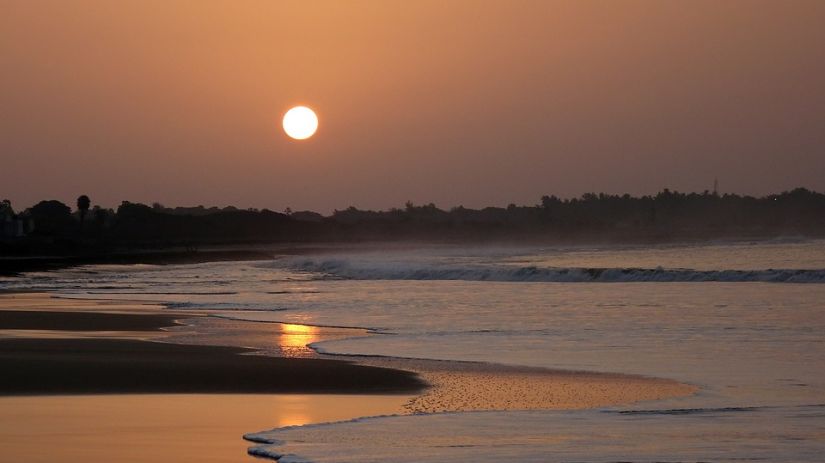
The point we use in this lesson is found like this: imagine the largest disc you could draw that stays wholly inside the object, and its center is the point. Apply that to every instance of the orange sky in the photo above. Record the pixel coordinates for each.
(474, 103)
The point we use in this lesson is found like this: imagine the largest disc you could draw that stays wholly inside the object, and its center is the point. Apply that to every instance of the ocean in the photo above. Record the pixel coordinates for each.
(743, 321)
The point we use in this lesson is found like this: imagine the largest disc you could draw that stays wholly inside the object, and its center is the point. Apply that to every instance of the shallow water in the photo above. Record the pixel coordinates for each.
(744, 321)
(792, 434)
(152, 428)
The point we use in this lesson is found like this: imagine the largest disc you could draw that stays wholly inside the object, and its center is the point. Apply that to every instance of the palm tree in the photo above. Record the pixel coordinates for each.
(83, 203)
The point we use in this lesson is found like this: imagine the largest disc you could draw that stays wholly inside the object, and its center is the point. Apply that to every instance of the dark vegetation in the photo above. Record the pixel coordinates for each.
(52, 228)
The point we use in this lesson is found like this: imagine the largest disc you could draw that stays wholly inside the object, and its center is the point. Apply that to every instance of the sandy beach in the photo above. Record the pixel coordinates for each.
(67, 352)
(94, 366)
(111, 365)
(91, 386)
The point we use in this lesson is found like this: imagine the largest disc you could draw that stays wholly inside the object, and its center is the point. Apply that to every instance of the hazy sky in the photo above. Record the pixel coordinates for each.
(474, 103)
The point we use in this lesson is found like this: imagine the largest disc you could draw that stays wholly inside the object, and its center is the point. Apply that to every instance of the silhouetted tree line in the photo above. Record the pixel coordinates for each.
(668, 215)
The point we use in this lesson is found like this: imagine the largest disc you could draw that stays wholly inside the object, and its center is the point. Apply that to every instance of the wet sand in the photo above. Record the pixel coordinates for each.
(63, 358)
(48, 365)
(97, 366)
(74, 321)
(52, 347)
(85, 348)
(158, 428)
(471, 386)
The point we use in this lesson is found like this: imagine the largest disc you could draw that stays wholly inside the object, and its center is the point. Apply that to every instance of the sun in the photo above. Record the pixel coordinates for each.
(300, 122)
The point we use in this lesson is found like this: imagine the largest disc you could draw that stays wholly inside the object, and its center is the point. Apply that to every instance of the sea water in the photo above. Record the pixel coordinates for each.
(743, 321)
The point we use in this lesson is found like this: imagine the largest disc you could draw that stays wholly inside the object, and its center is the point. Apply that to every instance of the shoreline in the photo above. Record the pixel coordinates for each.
(245, 348)
(187, 426)
(116, 366)
(459, 386)
(156, 428)
(75, 364)
(178, 383)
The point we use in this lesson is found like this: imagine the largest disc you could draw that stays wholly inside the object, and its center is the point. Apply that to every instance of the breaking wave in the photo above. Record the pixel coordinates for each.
(378, 270)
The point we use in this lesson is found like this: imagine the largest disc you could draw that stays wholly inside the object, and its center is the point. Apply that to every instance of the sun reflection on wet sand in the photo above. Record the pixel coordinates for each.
(185, 428)
(270, 338)
(293, 339)
(293, 411)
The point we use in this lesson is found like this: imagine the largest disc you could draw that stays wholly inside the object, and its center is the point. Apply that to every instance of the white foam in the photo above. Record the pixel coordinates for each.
(542, 436)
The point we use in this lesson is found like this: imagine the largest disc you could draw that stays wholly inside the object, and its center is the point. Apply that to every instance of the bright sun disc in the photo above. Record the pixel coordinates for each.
(300, 122)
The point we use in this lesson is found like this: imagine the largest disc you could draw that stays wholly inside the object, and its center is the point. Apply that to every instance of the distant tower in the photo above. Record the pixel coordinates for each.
(716, 186)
